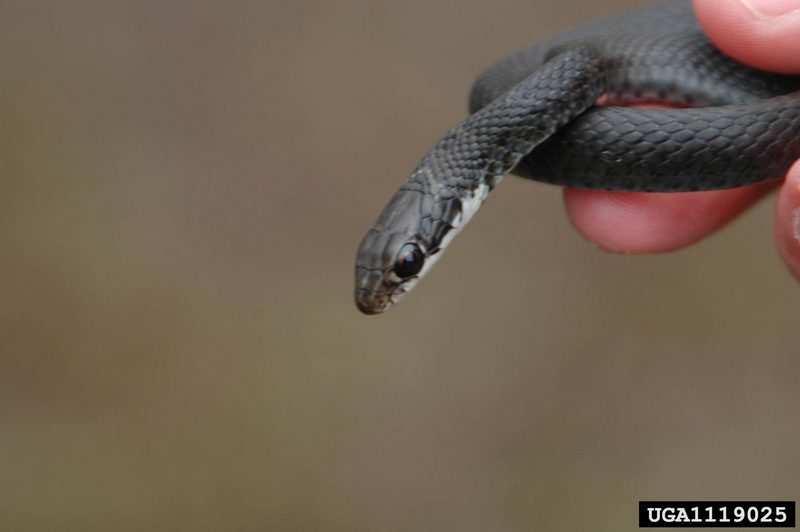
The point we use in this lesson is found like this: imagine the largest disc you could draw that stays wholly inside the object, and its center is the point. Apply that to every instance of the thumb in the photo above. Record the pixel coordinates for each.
(764, 34)
(787, 221)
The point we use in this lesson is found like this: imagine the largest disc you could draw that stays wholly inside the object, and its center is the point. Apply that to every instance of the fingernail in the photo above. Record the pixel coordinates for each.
(771, 8)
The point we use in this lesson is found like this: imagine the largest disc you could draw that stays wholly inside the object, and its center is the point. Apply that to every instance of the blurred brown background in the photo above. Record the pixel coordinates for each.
(184, 185)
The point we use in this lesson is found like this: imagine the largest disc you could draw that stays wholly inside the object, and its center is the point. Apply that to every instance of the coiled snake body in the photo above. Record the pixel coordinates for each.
(534, 113)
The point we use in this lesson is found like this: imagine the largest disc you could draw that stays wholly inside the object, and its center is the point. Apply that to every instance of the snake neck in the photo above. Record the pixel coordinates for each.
(457, 174)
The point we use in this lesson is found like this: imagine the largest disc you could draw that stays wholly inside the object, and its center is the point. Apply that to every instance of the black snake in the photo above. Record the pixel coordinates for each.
(535, 113)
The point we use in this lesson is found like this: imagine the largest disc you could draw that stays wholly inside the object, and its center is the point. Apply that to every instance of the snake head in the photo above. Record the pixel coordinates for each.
(402, 246)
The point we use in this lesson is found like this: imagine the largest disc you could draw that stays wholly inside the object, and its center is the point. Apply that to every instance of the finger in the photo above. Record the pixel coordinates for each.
(761, 33)
(646, 222)
(787, 223)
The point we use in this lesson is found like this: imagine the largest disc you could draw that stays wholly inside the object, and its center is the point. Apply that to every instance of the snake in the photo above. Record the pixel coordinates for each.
(537, 114)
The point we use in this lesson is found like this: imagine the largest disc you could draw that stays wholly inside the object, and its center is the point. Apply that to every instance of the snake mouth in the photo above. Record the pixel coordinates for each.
(372, 303)
(372, 296)
(375, 293)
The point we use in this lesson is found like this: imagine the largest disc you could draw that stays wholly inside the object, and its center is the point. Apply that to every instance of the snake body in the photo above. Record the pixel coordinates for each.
(534, 113)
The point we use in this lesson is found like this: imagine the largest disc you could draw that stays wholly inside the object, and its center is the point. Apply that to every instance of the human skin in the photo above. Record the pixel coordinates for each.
(761, 33)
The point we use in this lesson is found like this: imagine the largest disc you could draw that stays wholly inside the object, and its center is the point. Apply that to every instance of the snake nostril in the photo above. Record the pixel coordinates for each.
(370, 303)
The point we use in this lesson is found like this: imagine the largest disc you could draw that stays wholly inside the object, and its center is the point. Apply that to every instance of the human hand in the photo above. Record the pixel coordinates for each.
(638, 223)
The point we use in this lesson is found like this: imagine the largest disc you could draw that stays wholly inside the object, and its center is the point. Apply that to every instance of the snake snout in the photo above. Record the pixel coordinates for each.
(371, 303)
(371, 297)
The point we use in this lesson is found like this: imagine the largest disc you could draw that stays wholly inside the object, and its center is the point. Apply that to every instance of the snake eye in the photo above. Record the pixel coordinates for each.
(409, 261)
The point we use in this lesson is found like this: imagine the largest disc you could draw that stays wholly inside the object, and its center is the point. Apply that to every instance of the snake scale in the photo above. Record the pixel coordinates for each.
(535, 114)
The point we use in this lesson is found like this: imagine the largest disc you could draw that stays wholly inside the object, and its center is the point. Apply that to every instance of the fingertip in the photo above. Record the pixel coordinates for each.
(752, 32)
(787, 221)
(637, 223)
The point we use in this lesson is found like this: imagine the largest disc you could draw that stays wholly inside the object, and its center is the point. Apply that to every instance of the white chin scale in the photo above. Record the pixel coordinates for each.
(469, 206)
